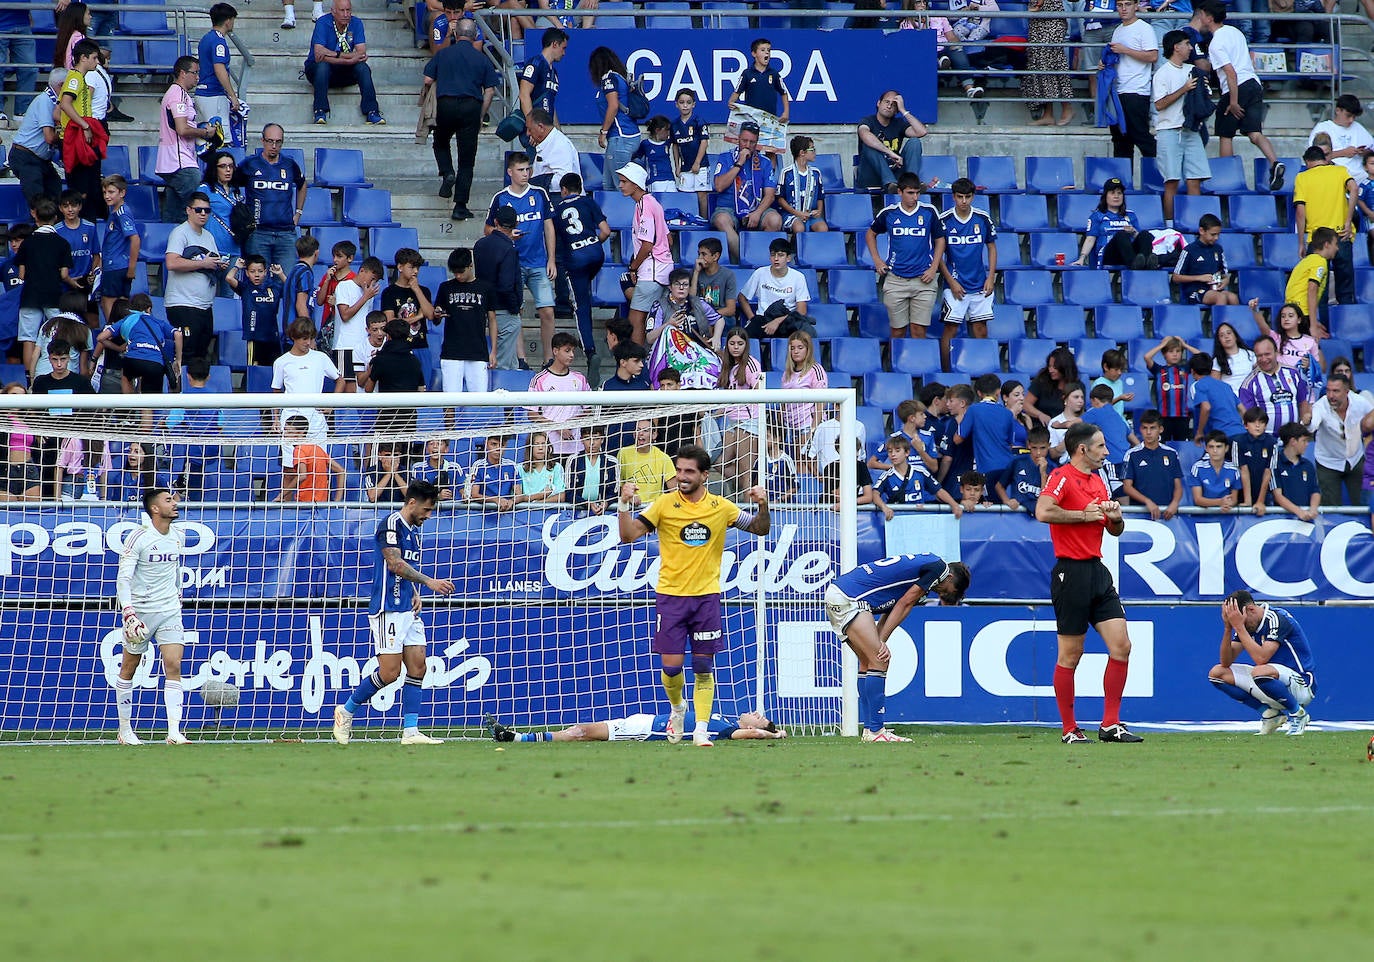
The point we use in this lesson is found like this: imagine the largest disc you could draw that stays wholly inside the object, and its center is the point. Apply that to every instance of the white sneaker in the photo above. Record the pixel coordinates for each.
(343, 725)
(676, 718)
(883, 736)
(129, 738)
(702, 740)
(177, 738)
(4, 120)
(1297, 723)
(288, 23)
(1270, 721)
(420, 738)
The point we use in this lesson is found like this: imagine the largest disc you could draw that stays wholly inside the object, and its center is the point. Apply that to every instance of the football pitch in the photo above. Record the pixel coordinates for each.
(970, 844)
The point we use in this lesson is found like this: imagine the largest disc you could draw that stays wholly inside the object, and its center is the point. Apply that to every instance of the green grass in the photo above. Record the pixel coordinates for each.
(971, 844)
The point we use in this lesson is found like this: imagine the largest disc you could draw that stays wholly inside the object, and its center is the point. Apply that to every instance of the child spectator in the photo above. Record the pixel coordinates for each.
(714, 284)
(1201, 270)
(376, 340)
(779, 470)
(84, 138)
(496, 262)
(677, 308)
(1366, 200)
(1073, 403)
(690, 140)
(535, 244)
(464, 306)
(406, 298)
(303, 370)
(581, 234)
(646, 464)
(350, 301)
(395, 370)
(1297, 348)
(120, 246)
(494, 480)
(81, 236)
(387, 483)
(307, 481)
(260, 297)
(909, 274)
(541, 474)
(439, 470)
(780, 294)
(956, 453)
(654, 154)
(760, 85)
(1113, 366)
(60, 380)
(739, 372)
(1115, 429)
(801, 195)
(969, 274)
(1153, 475)
(559, 376)
(138, 350)
(801, 372)
(629, 369)
(1294, 477)
(913, 418)
(69, 323)
(1307, 283)
(973, 491)
(44, 262)
(824, 450)
(298, 297)
(1020, 488)
(907, 481)
(591, 474)
(990, 427)
(1252, 452)
(1215, 405)
(135, 474)
(340, 270)
(1171, 380)
(676, 430)
(1216, 482)
(22, 478)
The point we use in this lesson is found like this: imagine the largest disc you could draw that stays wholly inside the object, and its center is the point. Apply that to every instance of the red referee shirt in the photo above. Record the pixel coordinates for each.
(1073, 490)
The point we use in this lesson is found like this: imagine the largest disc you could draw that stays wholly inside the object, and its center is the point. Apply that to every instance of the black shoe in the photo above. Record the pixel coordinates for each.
(1118, 733)
(1075, 737)
(119, 117)
(446, 188)
(1145, 262)
(1276, 177)
(523, 364)
(461, 212)
(498, 731)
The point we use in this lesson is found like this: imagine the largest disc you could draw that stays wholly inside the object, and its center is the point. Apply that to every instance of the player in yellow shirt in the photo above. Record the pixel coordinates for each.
(1307, 284)
(691, 524)
(646, 464)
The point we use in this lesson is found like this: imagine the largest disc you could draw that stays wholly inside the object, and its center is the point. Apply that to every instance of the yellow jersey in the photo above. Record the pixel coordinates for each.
(1313, 267)
(75, 85)
(1322, 191)
(652, 470)
(691, 540)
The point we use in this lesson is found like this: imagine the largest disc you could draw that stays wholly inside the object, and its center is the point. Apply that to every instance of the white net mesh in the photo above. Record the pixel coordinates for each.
(552, 619)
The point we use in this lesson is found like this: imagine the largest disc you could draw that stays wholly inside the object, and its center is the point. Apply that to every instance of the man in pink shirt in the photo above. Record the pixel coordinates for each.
(177, 134)
(652, 261)
(559, 376)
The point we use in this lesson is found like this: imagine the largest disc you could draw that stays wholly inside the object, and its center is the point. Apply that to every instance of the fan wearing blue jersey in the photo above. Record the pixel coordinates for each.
(907, 275)
(1281, 681)
(887, 589)
(539, 76)
(644, 727)
(969, 279)
(393, 615)
(801, 196)
(581, 229)
(535, 240)
(1113, 237)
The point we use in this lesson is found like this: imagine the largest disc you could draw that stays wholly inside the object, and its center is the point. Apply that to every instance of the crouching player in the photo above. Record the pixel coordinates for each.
(149, 590)
(889, 589)
(1281, 680)
(394, 616)
(644, 728)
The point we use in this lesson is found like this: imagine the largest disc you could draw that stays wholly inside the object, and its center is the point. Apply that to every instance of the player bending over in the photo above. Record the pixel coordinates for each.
(644, 728)
(149, 590)
(1281, 681)
(888, 588)
(393, 614)
(691, 524)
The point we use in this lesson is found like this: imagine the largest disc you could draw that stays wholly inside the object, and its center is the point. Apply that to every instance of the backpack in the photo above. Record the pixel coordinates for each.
(242, 221)
(636, 104)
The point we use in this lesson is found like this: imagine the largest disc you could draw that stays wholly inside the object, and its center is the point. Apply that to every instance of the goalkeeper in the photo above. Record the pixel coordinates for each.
(691, 524)
(149, 591)
(643, 728)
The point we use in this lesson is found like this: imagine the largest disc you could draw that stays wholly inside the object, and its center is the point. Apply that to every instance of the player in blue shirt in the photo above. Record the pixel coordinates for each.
(887, 589)
(1201, 269)
(1295, 477)
(580, 229)
(760, 85)
(644, 728)
(969, 275)
(1152, 475)
(1215, 406)
(393, 615)
(1020, 486)
(917, 244)
(690, 139)
(655, 154)
(81, 235)
(990, 426)
(1282, 679)
(260, 297)
(539, 76)
(1114, 237)
(1215, 481)
(119, 245)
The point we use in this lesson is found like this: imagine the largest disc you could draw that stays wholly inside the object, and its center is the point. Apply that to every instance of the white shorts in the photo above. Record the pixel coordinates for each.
(636, 728)
(842, 609)
(462, 376)
(393, 631)
(700, 181)
(163, 626)
(661, 186)
(1297, 684)
(975, 306)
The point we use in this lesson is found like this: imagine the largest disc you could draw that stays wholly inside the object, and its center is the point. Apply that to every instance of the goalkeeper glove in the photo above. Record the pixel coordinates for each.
(134, 628)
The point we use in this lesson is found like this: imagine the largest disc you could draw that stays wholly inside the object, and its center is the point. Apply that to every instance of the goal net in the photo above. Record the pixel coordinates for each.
(552, 618)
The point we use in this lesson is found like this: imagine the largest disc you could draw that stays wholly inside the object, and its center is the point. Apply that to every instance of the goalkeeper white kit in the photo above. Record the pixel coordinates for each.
(150, 571)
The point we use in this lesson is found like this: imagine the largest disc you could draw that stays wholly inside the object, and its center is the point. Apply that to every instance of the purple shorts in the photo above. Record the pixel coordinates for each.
(696, 618)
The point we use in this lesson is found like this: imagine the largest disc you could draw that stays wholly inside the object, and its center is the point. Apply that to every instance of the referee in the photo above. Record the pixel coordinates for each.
(1075, 504)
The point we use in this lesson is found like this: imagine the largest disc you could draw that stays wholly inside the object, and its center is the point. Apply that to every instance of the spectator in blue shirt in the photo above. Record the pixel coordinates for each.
(1215, 405)
(745, 186)
(1020, 487)
(760, 85)
(118, 247)
(274, 187)
(1201, 269)
(81, 236)
(1295, 477)
(1117, 433)
(917, 246)
(619, 135)
(990, 427)
(260, 296)
(494, 479)
(1216, 482)
(539, 76)
(215, 95)
(338, 58)
(1252, 452)
(654, 154)
(1113, 237)
(36, 143)
(1153, 476)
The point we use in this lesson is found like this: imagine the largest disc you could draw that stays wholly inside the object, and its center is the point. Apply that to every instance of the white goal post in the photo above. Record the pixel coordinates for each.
(552, 620)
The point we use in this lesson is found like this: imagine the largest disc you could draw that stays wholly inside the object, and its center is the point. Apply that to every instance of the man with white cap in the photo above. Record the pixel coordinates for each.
(652, 261)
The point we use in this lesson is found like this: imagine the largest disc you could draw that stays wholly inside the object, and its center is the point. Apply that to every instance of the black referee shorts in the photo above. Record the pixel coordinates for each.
(1083, 595)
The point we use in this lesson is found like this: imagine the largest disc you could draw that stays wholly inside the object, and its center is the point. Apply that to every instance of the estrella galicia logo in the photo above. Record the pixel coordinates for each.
(696, 534)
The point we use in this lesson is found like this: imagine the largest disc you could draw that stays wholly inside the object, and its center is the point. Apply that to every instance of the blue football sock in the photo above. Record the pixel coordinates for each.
(412, 696)
(1240, 695)
(368, 687)
(863, 699)
(877, 699)
(1278, 691)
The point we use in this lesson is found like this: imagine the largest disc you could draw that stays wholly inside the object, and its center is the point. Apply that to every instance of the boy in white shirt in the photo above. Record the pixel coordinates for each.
(350, 300)
(1138, 49)
(302, 370)
(779, 281)
(1181, 153)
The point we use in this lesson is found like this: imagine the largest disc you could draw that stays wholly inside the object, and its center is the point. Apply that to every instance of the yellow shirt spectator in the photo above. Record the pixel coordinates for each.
(652, 470)
(75, 86)
(1322, 190)
(1313, 267)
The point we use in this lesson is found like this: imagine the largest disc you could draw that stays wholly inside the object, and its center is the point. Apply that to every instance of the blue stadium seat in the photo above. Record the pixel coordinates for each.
(619, 209)
(606, 290)
(753, 248)
(142, 203)
(1151, 180)
(140, 285)
(227, 314)
(153, 247)
(687, 241)
(1088, 287)
(813, 281)
(1267, 285)
(856, 355)
(125, 57)
(384, 242)
(511, 380)
(1008, 323)
(1024, 213)
(218, 382)
(668, 23)
(831, 320)
(117, 161)
(1087, 354)
(1240, 251)
(295, 153)
(777, 354)
(884, 242)
(852, 288)
(849, 212)
(678, 200)
(831, 167)
(1028, 288)
(233, 349)
(1118, 322)
(1049, 175)
(918, 356)
(1145, 288)
(1027, 356)
(1149, 211)
(887, 389)
(942, 168)
(1255, 214)
(1239, 317)
(1137, 384)
(1364, 286)
(993, 175)
(591, 165)
(1364, 381)
(329, 236)
(1045, 248)
(975, 356)
(873, 321)
(822, 251)
(367, 207)
(1188, 208)
(1098, 170)
(14, 207)
(259, 380)
(1009, 256)
(1280, 250)
(160, 55)
(1351, 322)
(1177, 320)
(147, 166)
(144, 23)
(319, 209)
(1228, 176)
(1333, 347)
(1060, 322)
(1292, 167)
(339, 167)
(874, 421)
(1074, 210)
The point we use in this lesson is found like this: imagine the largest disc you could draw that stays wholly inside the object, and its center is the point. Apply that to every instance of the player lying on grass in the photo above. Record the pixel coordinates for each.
(888, 588)
(149, 590)
(643, 728)
(1281, 681)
